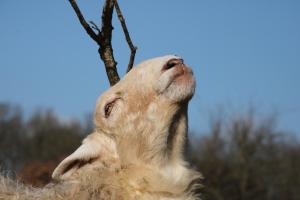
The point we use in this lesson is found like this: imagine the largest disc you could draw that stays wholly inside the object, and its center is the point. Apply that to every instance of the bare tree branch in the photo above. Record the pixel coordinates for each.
(106, 50)
(104, 37)
(127, 36)
(82, 21)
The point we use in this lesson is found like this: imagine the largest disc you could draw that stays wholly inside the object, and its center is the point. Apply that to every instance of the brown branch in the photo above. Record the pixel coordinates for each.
(82, 21)
(127, 36)
(106, 50)
(104, 37)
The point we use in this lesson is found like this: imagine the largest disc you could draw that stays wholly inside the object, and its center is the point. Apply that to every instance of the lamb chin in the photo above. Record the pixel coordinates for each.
(181, 89)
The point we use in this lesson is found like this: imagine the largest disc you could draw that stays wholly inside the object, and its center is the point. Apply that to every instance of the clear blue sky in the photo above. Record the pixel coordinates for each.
(242, 52)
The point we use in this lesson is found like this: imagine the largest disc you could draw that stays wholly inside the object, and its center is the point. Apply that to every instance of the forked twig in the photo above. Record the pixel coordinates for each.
(82, 21)
(104, 37)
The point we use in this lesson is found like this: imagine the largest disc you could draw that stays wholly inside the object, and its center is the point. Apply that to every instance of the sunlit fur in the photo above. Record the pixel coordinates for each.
(137, 152)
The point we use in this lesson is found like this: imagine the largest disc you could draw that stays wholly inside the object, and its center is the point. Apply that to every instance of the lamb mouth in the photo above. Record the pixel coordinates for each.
(179, 76)
(174, 72)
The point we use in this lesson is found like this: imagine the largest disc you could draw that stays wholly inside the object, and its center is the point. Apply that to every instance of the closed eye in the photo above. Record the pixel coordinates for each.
(109, 107)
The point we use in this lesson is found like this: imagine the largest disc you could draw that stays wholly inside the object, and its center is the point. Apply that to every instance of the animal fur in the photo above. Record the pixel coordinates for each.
(138, 146)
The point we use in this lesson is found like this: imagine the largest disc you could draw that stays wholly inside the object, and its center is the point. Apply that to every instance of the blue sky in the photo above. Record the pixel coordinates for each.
(242, 52)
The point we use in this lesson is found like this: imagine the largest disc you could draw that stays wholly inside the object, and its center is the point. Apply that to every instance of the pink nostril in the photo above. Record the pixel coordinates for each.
(172, 63)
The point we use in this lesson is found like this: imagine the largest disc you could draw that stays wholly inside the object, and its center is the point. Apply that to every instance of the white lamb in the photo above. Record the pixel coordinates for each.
(137, 148)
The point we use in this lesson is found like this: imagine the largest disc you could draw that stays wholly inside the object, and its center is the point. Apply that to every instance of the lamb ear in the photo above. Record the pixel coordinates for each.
(96, 147)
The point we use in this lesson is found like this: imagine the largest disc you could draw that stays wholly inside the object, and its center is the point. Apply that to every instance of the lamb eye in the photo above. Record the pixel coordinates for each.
(108, 108)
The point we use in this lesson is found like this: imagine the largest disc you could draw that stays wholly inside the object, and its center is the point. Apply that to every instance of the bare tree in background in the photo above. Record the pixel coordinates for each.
(103, 37)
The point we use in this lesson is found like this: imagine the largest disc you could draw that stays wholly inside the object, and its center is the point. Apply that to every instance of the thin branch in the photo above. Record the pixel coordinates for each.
(106, 50)
(95, 27)
(127, 36)
(82, 21)
(107, 12)
(104, 37)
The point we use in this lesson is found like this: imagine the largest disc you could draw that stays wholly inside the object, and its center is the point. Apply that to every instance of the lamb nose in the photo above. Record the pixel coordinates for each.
(173, 62)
